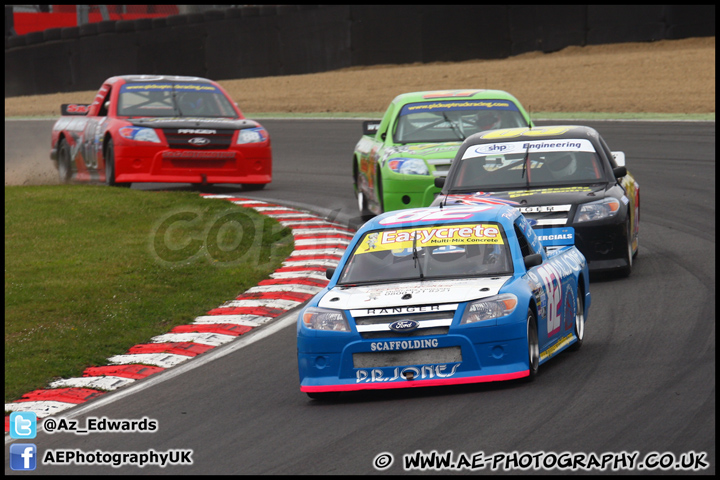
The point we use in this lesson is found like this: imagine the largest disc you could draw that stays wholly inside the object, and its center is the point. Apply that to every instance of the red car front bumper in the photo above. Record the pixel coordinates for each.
(238, 164)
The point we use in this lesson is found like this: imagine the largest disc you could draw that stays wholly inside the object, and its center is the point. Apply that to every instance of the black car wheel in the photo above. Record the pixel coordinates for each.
(379, 187)
(324, 396)
(251, 187)
(110, 166)
(627, 269)
(64, 165)
(579, 321)
(362, 205)
(533, 346)
(365, 213)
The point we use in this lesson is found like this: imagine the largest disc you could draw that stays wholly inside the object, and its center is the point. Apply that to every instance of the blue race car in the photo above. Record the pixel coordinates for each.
(442, 296)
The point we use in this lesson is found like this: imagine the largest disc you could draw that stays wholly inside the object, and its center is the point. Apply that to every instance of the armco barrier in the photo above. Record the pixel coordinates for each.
(271, 40)
(546, 28)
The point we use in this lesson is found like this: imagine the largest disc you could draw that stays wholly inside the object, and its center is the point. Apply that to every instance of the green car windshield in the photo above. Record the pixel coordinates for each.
(432, 252)
(455, 120)
(519, 164)
(162, 99)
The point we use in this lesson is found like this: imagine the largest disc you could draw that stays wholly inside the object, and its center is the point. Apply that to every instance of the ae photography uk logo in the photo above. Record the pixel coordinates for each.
(23, 425)
(23, 456)
(546, 461)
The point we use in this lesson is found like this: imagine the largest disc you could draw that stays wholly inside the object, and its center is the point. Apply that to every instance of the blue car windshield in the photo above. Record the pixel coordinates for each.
(454, 121)
(432, 252)
(161, 99)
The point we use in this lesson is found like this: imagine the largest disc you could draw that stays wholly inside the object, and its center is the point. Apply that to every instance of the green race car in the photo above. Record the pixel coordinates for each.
(398, 158)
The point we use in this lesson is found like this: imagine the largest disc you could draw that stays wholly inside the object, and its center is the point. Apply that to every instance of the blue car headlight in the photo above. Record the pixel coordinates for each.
(599, 210)
(489, 308)
(409, 166)
(325, 319)
(140, 134)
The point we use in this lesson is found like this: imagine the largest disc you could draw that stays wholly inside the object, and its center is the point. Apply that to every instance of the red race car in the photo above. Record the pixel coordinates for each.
(167, 129)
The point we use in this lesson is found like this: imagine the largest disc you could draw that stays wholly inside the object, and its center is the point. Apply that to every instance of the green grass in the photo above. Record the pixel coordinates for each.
(91, 271)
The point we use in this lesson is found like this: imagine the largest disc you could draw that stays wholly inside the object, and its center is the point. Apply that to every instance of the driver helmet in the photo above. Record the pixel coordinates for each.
(563, 165)
(488, 120)
(192, 102)
(156, 97)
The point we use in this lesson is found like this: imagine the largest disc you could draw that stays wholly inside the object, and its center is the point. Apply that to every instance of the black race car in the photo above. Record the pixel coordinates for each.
(564, 179)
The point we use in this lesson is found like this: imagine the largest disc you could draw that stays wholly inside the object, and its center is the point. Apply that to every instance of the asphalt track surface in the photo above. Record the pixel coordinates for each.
(644, 380)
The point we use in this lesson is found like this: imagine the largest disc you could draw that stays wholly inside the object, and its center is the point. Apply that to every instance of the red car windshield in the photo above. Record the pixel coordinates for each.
(161, 99)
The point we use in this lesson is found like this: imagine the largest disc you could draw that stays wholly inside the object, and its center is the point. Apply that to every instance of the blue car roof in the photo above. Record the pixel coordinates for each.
(412, 217)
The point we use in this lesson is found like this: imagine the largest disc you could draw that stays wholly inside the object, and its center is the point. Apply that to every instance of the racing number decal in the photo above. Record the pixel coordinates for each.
(553, 288)
(570, 308)
(87, 149)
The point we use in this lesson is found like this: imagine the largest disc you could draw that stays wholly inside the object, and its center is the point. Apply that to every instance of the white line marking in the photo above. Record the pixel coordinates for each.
(247, 320)
(98, 383)
(318, 251)
(321, 242)
(310, 274)
(204, 338)
(42, 409)
(282, 288)
(268, 303)
(317, 231)
(164, 360)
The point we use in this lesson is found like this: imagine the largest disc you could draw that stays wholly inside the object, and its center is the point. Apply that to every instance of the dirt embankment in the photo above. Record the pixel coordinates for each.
(669, 76)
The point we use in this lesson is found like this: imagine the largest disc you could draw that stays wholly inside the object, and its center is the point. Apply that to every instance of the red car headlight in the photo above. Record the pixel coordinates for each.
(139, 134)
(251, 135)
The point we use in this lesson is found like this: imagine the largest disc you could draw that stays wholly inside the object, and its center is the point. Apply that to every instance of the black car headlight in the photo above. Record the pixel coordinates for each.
(599, 210)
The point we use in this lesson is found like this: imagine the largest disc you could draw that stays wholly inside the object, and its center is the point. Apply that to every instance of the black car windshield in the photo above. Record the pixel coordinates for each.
(177, 99)
(454, 121)
(432, 252)
(527, 163)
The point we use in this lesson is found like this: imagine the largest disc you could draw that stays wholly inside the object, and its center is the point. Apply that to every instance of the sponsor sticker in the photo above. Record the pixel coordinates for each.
(551, 237)
(192, 155)
(448, 105)
(464, 234)
(422, 372)
(533, 146)
(184, 87)
(403, 345)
